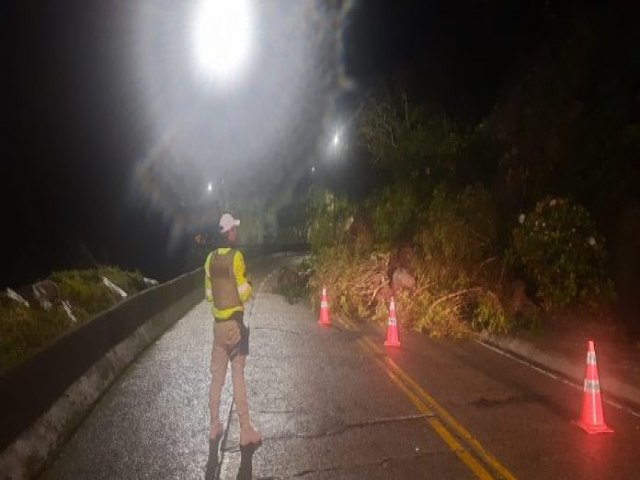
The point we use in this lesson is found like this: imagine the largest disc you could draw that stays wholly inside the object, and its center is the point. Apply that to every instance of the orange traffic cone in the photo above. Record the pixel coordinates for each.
(324, 309)
(392, 327)
(591, 419)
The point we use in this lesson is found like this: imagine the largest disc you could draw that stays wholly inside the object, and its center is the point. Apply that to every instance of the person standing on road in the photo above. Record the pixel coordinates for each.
(227, 288)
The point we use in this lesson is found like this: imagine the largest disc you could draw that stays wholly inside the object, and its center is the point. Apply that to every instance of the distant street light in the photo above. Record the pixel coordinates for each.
(209, 187)
(221, 37)
(337, 141)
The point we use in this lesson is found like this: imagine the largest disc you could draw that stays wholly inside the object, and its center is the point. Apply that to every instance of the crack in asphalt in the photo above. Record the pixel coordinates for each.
(281, 412)
(345, 428)
(484, 402)
(284, 357)
(380, 464)
(282, 330)
(367, 423)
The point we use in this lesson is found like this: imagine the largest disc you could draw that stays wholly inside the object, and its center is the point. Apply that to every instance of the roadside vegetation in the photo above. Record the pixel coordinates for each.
(523, 219)
(442, 259)
(293, 282)
(58, 304)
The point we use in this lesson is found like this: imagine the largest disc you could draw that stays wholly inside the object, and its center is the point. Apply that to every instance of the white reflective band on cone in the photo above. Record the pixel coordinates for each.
(591, 358)
(591, 386)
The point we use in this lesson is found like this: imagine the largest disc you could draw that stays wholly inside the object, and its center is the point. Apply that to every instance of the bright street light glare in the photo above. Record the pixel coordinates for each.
(336, 139)
(221, 36)
(209, 187)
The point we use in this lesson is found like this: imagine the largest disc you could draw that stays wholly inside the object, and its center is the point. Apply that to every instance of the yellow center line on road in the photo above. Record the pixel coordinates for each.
(426, 404)
(435, 424)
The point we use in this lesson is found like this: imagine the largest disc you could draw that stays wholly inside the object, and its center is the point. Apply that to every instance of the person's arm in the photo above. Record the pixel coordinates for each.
(207, 281)
(244, 287)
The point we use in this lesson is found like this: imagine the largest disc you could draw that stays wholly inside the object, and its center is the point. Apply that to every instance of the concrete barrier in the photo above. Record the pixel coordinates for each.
(44, 399)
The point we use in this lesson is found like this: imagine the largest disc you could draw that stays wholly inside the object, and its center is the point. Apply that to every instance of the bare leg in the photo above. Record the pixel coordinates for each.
(219, 362)
(248, 434)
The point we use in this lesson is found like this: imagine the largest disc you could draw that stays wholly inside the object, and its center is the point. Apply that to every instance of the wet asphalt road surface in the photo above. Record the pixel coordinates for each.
(334, 403)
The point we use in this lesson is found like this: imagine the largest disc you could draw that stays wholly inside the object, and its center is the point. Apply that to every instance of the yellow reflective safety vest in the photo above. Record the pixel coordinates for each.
(226, 285)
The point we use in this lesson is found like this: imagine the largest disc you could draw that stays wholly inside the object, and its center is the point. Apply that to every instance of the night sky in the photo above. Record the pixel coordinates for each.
(77, 125)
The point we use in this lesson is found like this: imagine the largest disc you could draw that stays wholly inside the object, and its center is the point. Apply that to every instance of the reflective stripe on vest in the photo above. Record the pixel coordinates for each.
(592, 386)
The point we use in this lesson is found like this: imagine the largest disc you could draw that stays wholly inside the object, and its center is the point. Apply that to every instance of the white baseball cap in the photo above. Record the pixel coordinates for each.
(227, 222)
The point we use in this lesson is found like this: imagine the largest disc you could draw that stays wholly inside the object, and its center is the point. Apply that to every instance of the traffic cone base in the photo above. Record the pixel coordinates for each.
(592, 418)
(324, 309)
(592, 429)
(392, 342)
(392, 327)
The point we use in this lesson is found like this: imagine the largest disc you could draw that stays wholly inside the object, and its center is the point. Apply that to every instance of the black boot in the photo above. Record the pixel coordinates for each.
(246, 461)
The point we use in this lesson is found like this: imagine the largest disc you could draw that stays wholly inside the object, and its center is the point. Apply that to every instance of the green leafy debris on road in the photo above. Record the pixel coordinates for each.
(293, 281)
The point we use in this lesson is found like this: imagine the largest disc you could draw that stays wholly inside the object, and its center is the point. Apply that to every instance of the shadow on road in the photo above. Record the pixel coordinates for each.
(245, 472)
(212, 462)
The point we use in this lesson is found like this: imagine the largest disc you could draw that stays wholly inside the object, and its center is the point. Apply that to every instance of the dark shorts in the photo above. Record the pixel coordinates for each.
(242, 347)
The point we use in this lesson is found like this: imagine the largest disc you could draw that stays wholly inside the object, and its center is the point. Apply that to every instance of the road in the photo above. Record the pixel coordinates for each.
(333, 403)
